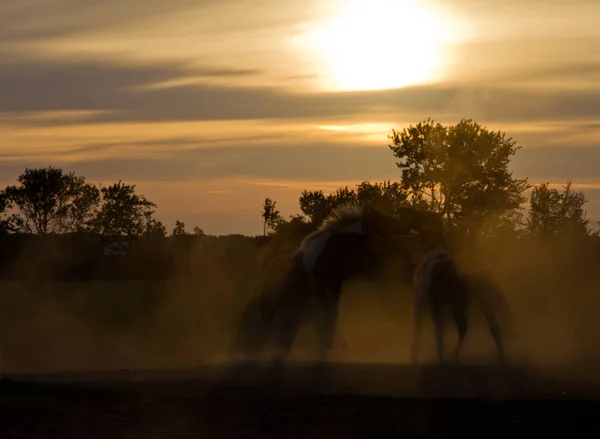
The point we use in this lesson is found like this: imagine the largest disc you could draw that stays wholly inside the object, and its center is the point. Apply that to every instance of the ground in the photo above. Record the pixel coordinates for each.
(149, 338)
(296, 401)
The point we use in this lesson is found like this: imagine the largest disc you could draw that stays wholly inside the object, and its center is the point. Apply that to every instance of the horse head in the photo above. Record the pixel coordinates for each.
(431, 228)
(406, 220)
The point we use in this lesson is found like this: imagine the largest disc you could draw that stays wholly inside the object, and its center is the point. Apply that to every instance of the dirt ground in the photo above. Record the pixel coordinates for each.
(297, 401)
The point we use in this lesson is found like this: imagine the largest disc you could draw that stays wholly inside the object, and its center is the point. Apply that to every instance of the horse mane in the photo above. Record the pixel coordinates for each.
(342, 216)
(338, 219)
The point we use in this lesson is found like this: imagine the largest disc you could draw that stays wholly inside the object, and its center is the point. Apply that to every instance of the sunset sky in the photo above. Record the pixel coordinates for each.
(210, 106)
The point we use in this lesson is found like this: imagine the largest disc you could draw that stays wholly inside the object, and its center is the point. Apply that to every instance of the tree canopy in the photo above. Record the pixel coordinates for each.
(554, 213)
(458, 171)
(385, 196)
(123, 212)
(52, 201)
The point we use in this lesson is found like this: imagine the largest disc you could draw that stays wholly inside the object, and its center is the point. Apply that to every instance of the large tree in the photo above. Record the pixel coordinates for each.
(459, 171)
(52, 201)
(554, 213)
(125, 213)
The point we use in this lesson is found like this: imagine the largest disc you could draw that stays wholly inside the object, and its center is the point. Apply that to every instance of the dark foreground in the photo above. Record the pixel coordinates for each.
(299, 401)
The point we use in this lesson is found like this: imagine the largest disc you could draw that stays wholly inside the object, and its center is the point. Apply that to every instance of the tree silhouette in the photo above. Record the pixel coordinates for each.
(154, 228)
(315, 205)
(8, 223)
(459, 171)
(270, 215)
(554, 213)
(385, 196)
(123, 212)
(297, 226)
(198, 231)
(52, 201)
(179, 229)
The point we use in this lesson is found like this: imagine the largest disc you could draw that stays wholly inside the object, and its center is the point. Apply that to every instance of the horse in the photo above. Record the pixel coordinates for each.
(325, 259)
(438, 283)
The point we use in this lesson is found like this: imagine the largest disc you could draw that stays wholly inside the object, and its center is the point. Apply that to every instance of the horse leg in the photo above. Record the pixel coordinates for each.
(416, 329)
(271, 302)
(495, 331)
(438, 319)
(460, 319)
(329, 295)
(290, 329)
(287, 296)
(335, 292)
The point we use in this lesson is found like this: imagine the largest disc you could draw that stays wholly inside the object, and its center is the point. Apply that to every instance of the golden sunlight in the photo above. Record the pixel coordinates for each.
(380, 44)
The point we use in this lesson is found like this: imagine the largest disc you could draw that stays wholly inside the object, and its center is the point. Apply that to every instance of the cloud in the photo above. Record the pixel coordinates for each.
(182, 159)
(44, 84)
(558, 164)
(113, 87)
(31, 20)
(301, 162)
(549, 73)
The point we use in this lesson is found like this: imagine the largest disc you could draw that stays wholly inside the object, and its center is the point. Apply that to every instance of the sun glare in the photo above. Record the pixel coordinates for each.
(379, 44)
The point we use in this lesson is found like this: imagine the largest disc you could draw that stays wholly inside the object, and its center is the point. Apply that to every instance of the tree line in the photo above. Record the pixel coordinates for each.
(460, 171)
(51, 201)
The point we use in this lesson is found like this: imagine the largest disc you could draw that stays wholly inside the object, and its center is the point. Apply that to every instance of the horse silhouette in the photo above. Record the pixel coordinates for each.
(438, 283)
(325, 259)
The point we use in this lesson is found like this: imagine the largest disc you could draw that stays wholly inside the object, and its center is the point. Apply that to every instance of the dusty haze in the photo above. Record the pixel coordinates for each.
(68, 326)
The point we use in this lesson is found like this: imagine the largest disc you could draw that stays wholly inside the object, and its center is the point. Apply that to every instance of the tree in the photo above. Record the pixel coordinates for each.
(315, 205)
(297, 226)
(179, 229)
(386, 196)
(8, 223)
(554, 213)
(459, 171)
(270, 215)
(52, 201)
(198, 231)
(155, 229)
(123, 212)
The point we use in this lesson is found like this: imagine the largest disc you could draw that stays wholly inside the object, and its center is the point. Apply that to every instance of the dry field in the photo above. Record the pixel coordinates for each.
(153, 360)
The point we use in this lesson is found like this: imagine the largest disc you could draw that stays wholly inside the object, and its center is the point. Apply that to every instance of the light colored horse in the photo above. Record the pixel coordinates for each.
(439, 284)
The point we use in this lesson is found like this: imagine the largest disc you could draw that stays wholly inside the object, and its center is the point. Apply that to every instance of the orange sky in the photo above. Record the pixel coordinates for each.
(211, 106)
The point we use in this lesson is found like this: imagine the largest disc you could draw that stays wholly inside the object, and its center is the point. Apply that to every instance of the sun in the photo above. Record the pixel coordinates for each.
(380, 44)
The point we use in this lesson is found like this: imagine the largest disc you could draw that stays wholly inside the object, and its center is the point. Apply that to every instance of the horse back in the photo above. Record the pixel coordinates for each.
(341, 256)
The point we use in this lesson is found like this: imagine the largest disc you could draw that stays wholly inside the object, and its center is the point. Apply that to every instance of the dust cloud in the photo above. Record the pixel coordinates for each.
(184, 322)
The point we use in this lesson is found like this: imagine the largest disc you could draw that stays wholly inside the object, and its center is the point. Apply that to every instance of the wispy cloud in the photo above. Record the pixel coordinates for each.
(28, 20)
(112, 90)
